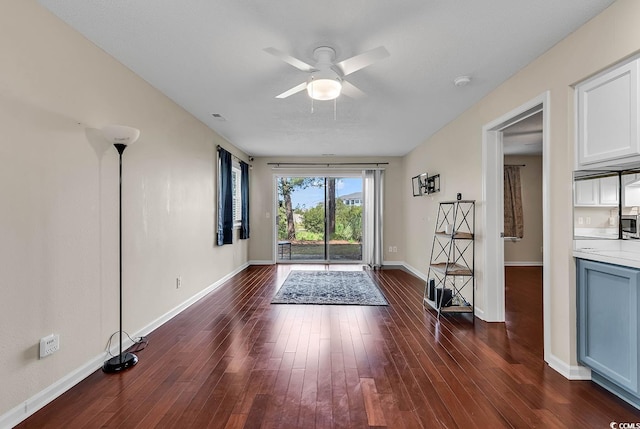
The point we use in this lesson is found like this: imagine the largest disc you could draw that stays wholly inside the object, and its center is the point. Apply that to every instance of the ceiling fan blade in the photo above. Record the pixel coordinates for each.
(352, 91)
(293, 90)
(300, 65)
(353, 64)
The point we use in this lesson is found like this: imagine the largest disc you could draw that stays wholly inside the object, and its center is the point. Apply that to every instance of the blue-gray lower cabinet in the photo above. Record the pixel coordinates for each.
(608, 334)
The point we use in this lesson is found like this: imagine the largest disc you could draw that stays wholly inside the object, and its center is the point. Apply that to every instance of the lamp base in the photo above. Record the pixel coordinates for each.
(120, 362)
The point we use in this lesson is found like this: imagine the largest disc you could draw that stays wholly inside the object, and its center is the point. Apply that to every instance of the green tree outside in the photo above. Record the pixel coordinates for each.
(348, 221)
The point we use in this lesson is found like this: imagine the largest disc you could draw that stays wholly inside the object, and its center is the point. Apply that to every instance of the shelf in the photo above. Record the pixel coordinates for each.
(457, 309)
(450, 309)
(451, 269)
(456, 236)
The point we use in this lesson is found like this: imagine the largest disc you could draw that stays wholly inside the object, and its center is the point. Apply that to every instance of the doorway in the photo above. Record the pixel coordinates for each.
(319, 219)
(493, 294)
(523, 226)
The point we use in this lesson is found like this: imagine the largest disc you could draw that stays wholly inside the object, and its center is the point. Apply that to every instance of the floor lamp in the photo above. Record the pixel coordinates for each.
(120, 136)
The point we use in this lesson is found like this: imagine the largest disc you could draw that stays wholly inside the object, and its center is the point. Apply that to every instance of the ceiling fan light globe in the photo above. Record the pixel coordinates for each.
(324, 89)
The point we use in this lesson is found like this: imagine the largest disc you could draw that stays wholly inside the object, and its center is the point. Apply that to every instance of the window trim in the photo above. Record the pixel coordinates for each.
(236, 178)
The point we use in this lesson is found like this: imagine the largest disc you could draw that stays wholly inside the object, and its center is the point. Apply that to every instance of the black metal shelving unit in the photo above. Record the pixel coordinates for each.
(450, 286)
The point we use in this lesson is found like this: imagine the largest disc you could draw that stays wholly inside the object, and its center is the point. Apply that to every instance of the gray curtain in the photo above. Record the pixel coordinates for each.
(244, 197)
(373, 218)
(513, 218)
(225, 199)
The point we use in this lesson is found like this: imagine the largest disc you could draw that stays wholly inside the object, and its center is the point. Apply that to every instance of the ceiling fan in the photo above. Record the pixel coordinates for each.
(326, 78)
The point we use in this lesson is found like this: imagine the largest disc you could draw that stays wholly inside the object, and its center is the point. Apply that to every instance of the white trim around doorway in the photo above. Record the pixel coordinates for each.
(493, 216)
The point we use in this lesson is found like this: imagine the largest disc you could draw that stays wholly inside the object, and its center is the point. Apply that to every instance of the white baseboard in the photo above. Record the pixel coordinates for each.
(269, 262)
(186, 304)
(523, 263)
(20, 412)
(390, 264)
(571, 372)
(416, 272)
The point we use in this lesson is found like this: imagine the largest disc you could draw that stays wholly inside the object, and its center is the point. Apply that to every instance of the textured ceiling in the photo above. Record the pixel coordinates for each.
(208, 56)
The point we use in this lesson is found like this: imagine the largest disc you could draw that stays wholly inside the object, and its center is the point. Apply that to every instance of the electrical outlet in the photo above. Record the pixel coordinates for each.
(49, 345)
(390, 249)
(178, 282)
(395, 249)
(587, 220)
(580, 220)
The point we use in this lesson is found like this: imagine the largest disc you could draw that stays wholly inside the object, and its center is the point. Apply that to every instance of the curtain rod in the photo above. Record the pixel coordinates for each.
(324, 164)
(239, 159)
(515, 165)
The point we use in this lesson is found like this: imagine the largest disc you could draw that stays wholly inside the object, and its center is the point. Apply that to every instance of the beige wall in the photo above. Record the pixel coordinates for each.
(528, 250)
(261, 248)
(456, 153)
(59, 212)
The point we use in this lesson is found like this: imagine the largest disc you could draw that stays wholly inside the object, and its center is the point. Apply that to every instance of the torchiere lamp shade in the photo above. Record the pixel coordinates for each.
(121, 134)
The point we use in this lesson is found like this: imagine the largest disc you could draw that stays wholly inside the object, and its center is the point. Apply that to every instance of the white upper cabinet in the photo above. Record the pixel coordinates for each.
(586, 193)
(631, 190)
(609, 191)
(596, 192)
(607, 118)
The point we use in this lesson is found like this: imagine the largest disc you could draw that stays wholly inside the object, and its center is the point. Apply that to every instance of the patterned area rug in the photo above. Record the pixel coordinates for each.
(329, 287)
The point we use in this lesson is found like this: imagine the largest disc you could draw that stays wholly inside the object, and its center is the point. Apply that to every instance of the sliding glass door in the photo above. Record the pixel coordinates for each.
(319, 219)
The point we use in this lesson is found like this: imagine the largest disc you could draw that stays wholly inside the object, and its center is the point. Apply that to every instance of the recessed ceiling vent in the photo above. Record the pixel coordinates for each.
(462, 81)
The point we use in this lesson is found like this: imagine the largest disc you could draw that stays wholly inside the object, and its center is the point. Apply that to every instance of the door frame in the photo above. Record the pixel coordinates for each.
(493, 214)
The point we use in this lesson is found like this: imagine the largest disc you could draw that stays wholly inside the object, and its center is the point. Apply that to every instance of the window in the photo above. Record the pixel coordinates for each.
(236, 187)
(233, 198)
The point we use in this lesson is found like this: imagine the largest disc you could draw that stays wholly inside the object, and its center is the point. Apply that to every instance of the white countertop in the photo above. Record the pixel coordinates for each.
(611, 233)
(618, 252)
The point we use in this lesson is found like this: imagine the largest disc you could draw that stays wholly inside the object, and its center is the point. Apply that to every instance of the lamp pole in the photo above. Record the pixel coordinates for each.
(123, 360)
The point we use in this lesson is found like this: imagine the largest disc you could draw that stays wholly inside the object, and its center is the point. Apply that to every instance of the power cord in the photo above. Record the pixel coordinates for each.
(139, 343)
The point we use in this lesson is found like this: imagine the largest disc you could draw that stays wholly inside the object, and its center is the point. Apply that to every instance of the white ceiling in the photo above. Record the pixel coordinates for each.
(524, 137)
(207, 55)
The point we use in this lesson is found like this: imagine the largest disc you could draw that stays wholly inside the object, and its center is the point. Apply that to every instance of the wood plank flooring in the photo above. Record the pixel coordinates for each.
(233, 360)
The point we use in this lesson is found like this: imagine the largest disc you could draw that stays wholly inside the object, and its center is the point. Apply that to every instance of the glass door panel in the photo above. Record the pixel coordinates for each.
(301, 219)
(344, 219)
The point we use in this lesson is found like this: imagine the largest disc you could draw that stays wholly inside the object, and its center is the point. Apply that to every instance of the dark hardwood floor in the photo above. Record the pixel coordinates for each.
(233, 360)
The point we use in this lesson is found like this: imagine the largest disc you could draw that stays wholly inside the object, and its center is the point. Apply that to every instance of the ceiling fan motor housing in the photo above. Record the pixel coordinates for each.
(324, 56)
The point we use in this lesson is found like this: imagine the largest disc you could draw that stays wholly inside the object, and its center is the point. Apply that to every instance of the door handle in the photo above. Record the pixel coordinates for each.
(502, 235)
